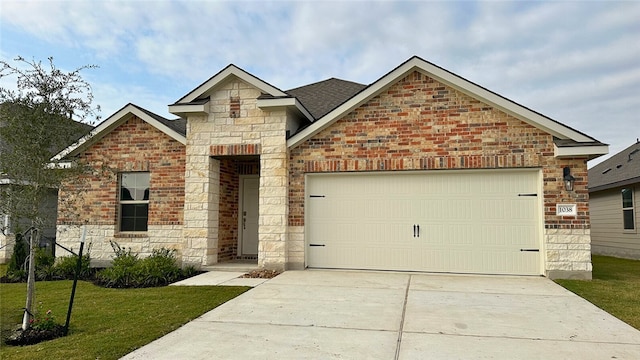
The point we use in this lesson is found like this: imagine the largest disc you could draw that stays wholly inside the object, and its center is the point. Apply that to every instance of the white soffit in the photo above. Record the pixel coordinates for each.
(182, 109)
(288, 102)
(416, 64)
(571, 151)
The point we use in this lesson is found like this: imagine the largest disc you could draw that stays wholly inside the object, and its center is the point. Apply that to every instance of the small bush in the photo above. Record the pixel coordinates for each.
(65, 268)
(122, 272)
(159, 269)
(44, 264)
(128, 270)
(17, 268)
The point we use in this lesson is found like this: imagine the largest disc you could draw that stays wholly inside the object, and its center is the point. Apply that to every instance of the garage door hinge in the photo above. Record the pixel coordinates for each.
(532, 250)
(316, 244)
(316, 196)
(527, 194)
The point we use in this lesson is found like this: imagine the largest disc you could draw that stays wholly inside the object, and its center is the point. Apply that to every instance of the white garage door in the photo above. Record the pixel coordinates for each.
(443, 221)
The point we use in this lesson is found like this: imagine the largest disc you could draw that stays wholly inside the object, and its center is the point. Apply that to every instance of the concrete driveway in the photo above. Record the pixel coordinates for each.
(382, 315)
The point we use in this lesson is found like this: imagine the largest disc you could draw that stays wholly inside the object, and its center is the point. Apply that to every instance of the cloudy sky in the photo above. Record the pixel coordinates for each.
(576, 62)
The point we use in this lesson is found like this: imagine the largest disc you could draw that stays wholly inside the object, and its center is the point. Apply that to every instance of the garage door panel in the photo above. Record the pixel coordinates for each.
(472, 222)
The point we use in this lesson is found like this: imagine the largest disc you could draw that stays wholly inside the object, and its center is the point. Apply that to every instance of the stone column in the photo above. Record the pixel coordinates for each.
(202, 193)
(274, 207)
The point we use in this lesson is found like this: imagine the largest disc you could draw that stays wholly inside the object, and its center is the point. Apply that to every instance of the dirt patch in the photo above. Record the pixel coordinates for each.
(261, 274)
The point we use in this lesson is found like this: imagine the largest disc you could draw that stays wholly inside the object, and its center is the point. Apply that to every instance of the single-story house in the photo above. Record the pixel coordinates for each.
(421, 170)
(614, 200)
(10, 224)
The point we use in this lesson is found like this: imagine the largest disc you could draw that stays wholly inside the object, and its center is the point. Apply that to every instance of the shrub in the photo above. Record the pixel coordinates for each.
(122, 273)
(17, 263)
(128, 270)
(44, 264)
(159, 269)
(65, 268)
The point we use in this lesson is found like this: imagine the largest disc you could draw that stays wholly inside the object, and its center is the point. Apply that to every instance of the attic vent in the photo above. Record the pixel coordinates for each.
(618, 166)
(633, 153)
(234, 107)
(606, 171)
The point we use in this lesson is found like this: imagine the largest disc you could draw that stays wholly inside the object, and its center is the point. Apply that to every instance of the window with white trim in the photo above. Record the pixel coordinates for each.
(628, 218)
(134, 201)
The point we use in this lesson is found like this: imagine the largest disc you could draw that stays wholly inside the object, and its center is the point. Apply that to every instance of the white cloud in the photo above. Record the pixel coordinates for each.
(574, 61)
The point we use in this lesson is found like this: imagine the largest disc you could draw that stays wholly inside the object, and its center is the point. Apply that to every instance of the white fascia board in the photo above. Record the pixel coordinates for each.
(449, 79)
(111, 123)
(289, 102)
(220, 77)
(194, 109)
(593, 151)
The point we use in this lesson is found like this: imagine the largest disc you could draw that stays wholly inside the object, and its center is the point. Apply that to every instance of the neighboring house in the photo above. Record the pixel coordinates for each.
(48, 208)
(614, 202)
(421, 170)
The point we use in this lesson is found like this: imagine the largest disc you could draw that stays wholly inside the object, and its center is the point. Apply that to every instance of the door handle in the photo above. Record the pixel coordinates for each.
(244, 223)
(414, 230)
(418, 230)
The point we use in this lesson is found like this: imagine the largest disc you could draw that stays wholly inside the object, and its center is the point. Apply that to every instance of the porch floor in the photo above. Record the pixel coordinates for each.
(233, 265)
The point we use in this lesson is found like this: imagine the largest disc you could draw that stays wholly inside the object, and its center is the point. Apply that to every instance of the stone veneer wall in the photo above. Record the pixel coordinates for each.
(420, 124)
(235, 126)
(98, 245)
(133, 146)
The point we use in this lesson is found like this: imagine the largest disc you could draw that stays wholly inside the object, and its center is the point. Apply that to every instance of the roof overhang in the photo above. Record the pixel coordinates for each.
(193, 108)
(288, 103)
(186, 104)
(635, 180)
(592, 151)
(113, 122)
(452, 80)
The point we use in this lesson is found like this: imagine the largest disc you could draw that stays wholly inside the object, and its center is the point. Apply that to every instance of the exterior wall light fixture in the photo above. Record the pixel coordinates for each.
(568, 179)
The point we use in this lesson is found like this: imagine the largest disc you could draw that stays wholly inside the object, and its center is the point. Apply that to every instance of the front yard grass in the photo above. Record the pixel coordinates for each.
(615, 288)
(106, 323)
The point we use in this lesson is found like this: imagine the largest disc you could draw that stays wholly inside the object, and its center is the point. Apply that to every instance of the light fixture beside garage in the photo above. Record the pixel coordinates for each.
(568, 179)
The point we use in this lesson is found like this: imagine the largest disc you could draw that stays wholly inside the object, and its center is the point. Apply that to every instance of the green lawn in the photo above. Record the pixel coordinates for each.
(615, 288)
(106, 323)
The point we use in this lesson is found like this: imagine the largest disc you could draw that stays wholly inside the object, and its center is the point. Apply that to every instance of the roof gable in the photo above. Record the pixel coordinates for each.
(450, 79)
(221, 77)
(620, 169)
(176, 129)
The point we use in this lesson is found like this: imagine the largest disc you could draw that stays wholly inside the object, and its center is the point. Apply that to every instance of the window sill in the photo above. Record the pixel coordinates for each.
(141, 234)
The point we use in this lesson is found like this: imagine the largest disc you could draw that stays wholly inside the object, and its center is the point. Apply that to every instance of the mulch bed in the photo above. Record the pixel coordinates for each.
(261, 274)
(33, 336)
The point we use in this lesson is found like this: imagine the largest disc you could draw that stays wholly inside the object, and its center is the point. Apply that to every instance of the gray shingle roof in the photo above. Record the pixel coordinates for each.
(179, 125)
(621, 169)
(322, 97)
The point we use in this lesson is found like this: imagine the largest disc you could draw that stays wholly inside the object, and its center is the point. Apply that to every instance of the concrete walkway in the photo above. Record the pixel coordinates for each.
(382, 315)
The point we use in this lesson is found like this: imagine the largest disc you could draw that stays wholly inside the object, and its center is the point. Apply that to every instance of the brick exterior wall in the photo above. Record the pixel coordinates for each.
(420, 124)
(228, 233)
(133, 146)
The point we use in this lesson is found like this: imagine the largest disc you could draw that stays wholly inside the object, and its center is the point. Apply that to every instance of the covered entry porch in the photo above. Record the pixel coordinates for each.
(236, 209)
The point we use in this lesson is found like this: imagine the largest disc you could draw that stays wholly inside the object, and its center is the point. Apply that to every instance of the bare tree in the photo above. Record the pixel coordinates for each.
(46, 111)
